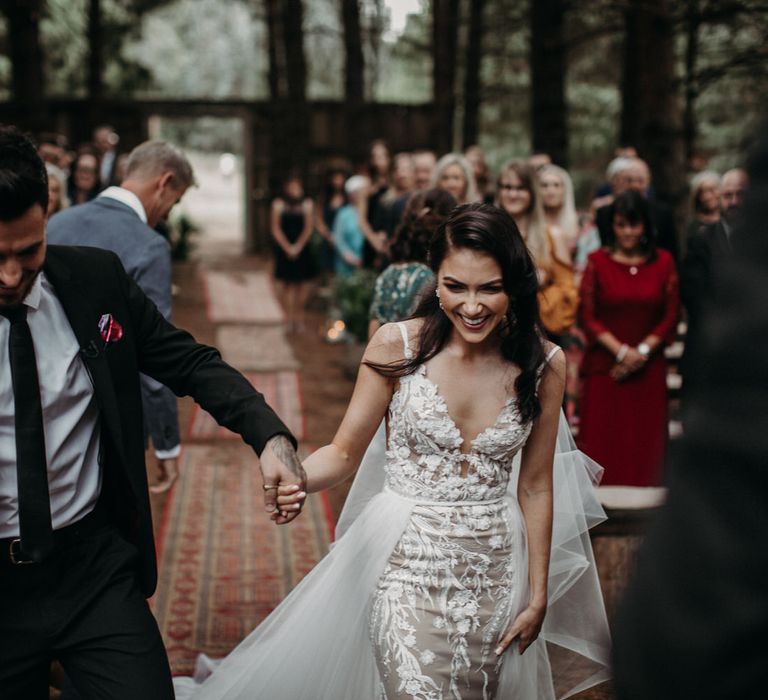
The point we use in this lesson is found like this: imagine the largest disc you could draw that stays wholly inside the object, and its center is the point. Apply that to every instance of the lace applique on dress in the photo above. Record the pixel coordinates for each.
(447, 593)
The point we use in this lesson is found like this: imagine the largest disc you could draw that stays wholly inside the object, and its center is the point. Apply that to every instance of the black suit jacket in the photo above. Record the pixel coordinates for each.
(661, 216)
(707, 250)
(89, 283)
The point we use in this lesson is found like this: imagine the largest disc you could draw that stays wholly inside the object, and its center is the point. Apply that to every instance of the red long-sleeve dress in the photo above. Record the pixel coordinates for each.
(624, 424)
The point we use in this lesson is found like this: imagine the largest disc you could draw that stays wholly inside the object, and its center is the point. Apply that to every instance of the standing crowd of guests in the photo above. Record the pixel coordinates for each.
(610, 277)
(76, 176)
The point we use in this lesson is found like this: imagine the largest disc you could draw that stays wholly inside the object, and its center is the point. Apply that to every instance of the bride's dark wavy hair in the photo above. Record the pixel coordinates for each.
(490, 230)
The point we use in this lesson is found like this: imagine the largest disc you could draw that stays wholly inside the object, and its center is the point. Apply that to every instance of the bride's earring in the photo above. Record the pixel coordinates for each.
(510, 321)
(439, 302)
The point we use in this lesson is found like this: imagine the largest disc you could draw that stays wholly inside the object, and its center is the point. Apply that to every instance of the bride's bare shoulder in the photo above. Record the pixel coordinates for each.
(554, 367)
(388, 343)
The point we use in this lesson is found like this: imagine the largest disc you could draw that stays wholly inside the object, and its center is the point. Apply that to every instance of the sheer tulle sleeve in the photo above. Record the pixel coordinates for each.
(589, 301)
(666, 329)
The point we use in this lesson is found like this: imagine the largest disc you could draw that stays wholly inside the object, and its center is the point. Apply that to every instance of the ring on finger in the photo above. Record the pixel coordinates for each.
(269, 487)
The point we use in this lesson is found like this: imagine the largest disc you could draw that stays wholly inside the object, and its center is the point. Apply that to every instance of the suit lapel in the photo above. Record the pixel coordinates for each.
(723, 237)
(84, 321)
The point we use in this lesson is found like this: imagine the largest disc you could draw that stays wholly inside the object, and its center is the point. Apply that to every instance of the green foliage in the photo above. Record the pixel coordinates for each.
(406, 63)
(353, 297)
(202, 48)
(63, 33)
(218, 49)
(182, 230)
(178, 230)
(324, 51)
(206, 134)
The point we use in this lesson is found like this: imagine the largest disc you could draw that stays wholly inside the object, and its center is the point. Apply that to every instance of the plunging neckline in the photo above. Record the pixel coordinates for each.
(441, 399)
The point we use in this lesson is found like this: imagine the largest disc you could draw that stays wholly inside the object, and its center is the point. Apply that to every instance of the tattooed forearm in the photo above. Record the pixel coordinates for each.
(284, 451)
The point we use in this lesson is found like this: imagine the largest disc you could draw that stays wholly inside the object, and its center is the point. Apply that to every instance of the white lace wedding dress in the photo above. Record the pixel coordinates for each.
(429, 569)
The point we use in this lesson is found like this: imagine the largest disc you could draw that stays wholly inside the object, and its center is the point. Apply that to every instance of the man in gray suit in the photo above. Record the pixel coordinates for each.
(122, 219)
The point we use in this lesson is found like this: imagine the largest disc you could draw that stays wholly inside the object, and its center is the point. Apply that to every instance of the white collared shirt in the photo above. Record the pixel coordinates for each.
(70, 416)
(128, 198)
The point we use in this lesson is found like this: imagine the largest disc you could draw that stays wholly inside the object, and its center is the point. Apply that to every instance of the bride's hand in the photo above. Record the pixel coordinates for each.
(290, 499)
(525, 629)
(280, 466)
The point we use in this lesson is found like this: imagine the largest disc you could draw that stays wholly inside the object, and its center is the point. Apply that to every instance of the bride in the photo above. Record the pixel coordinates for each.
(463, 567)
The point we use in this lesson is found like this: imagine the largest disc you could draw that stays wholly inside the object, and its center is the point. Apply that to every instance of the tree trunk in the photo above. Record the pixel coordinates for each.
(693, 21)
(25, 51)
(472, 80)
(375, 32)
(445, 25)
(651, 119)
(274, 44)
(95, 52)
(354, 78)
(354, 64)
(293, 38)
(549, 114)
(289, 132)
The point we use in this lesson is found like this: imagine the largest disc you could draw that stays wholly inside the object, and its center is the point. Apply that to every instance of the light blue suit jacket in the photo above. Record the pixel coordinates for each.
(109, 224)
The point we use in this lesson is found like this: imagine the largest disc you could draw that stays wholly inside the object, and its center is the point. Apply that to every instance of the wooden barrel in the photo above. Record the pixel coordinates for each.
(630, 509)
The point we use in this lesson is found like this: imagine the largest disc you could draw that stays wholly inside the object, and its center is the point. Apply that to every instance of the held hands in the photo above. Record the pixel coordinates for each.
(169, 472)
(351, 259)
(632, 362)
(281, 468)
(380, 242)
(525, 629)
(293, 252)
(290, 499)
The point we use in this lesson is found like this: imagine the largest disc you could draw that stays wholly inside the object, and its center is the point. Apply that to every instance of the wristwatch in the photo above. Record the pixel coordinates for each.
(644, 349)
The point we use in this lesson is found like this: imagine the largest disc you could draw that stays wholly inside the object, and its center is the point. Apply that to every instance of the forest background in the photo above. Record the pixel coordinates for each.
(685, 82)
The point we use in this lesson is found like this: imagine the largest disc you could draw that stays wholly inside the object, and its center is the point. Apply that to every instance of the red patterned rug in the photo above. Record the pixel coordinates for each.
(223, 564)
(282, 391)
(256, 348)
(241, 297)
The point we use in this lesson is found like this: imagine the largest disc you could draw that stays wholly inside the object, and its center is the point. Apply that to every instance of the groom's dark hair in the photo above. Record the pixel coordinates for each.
(23, 178)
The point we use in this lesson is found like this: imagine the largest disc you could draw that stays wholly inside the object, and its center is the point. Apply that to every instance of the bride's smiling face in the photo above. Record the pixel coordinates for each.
(471, 290)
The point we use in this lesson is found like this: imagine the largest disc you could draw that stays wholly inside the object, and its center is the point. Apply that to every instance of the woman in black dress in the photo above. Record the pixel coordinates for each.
(291, 227)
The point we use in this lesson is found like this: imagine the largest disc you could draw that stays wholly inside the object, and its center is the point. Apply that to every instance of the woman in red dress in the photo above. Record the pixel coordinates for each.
(629, 312)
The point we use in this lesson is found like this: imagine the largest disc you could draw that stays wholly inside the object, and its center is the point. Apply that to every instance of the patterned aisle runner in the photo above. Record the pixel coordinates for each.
(241, 297)
(282, 391)
(256, 348)
(223, 565)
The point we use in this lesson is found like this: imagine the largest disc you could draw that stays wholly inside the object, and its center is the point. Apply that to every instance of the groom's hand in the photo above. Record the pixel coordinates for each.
(280, 466)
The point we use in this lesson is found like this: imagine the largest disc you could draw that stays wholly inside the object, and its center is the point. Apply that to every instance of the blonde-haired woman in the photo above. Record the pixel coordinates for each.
(705, 200)
(562, 223)
(455, 175)
(517, 192)
(57, 189)
(559, 207)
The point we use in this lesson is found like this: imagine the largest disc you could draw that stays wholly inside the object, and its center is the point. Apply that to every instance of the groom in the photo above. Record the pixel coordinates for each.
(77, 556)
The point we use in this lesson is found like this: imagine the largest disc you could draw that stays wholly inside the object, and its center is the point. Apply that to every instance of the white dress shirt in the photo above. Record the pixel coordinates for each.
(128, 198)
(70, 416)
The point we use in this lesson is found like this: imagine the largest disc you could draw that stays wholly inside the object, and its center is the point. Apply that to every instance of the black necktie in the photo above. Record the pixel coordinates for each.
(32, 472)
